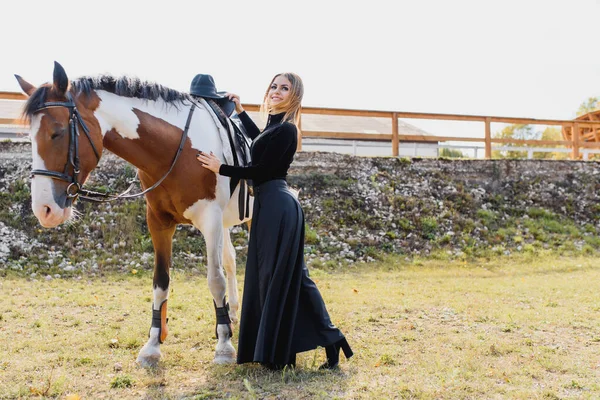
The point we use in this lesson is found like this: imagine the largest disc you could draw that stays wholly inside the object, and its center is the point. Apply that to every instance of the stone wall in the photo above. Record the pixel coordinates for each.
(357, 209)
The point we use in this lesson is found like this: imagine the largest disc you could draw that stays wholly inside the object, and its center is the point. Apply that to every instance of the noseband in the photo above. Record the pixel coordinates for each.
(75, 120)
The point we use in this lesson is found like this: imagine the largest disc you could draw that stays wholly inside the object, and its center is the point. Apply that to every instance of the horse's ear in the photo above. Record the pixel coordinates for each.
(61, 81)
(27, 87)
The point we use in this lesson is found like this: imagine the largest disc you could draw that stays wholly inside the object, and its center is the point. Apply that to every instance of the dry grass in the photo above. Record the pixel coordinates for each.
(511, 328)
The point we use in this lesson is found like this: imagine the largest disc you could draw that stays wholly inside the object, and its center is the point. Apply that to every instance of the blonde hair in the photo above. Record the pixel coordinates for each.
(291, 106)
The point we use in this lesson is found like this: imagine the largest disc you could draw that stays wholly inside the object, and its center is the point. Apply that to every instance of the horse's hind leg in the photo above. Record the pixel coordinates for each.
(162, 238)
(230, 267)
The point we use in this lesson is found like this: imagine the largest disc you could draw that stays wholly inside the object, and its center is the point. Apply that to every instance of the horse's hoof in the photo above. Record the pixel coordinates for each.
(224, 359)
(148, 362)
(225, 355)
(148, 357)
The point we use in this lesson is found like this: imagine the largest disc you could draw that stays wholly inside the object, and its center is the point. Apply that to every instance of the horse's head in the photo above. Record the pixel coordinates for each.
(66, 145)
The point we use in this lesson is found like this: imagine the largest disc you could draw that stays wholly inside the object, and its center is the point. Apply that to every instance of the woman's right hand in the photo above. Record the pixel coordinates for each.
(236, 99)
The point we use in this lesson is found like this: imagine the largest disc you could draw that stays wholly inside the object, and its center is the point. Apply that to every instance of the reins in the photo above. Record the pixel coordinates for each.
(74, 189)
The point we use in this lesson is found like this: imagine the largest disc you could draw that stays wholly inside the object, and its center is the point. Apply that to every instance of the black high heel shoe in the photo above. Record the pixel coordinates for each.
(333, 354)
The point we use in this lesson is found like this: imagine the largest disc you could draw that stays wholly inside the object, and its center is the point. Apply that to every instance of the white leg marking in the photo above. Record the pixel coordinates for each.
(230, 268)
(224, 352)
(213, 235)
(150, 354)
(208, 217)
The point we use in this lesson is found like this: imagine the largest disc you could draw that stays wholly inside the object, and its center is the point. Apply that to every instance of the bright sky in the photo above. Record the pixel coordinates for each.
(518, 58)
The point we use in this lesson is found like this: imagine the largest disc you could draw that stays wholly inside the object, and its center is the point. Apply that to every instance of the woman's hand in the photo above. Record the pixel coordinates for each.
(236, 99)
(209, 161)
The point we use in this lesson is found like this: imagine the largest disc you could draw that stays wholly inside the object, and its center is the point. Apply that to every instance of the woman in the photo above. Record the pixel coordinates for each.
(283, 312)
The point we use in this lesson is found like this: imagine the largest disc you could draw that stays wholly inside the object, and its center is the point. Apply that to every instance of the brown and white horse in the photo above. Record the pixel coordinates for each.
(142, 123)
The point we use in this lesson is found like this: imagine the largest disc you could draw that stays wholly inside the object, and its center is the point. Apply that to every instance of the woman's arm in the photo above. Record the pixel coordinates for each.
(276, 149)
(251, 128)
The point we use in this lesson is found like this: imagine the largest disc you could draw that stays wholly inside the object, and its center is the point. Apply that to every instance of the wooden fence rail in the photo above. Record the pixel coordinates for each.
(395, 137)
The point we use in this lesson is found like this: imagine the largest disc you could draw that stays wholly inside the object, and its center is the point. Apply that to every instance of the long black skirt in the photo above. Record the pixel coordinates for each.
(283, 312)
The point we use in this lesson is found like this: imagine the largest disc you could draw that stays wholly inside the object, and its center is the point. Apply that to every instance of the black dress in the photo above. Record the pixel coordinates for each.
(283, 312)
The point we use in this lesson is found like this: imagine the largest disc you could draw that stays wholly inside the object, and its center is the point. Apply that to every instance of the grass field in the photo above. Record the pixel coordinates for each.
(513, 328)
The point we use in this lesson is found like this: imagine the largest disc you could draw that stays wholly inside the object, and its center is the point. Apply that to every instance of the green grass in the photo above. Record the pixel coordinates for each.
(513, 327)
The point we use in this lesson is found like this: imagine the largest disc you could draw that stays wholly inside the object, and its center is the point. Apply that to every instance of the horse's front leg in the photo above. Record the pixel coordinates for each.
(212, 229)
(162, 239)
(230, 268)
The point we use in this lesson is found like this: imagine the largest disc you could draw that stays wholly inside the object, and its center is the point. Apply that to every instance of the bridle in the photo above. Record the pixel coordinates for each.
(74, 189)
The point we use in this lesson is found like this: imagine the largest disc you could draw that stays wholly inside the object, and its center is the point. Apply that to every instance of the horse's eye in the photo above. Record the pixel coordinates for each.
(57, 134)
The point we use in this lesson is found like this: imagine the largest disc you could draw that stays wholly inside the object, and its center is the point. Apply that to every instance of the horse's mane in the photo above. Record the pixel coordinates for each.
(128, 87)
(123, 86)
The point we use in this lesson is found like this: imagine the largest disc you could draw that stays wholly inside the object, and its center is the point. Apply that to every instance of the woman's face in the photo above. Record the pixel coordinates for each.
(280, 90)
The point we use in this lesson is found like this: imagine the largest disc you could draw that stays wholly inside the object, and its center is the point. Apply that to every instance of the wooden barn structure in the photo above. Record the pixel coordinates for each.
(586, 133)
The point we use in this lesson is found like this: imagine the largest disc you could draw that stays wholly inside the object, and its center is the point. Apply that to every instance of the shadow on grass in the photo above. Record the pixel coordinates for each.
(252, 381)
(157, 382)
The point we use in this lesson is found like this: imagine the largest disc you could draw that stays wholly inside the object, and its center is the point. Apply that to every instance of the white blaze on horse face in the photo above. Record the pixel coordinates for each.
(41, 186)
(44, 207)
(34, 127)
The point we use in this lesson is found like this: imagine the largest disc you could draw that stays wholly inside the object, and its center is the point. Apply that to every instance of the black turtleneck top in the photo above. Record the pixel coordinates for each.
(272, 151)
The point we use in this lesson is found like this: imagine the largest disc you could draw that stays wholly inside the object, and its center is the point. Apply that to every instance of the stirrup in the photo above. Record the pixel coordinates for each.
(159, 320)
(222, 317)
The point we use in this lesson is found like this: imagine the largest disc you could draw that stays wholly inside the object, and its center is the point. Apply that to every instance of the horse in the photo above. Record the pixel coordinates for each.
(159, 131)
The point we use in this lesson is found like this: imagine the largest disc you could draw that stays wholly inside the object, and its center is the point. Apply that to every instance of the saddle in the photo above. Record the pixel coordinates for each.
(240, 149)
(226, 105)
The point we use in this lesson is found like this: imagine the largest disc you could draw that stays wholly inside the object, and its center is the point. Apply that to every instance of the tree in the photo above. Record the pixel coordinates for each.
(451, 153)
(551, 133)
(527, 132)
(591, 104)
(515, 131)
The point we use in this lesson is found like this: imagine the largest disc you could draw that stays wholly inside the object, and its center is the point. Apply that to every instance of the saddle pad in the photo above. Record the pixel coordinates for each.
(227, 150)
